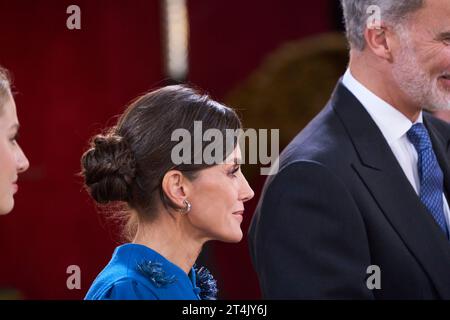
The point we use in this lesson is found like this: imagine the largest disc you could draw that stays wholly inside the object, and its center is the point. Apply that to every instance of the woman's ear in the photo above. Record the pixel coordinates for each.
(174, 187)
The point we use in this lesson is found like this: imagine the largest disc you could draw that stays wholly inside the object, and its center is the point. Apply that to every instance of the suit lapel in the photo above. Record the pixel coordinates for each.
(384, 178)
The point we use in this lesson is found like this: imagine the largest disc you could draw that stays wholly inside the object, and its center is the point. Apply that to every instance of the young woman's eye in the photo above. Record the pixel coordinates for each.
(14, 139)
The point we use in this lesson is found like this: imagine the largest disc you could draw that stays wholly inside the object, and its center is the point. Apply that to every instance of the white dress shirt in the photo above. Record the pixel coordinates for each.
(393, 125)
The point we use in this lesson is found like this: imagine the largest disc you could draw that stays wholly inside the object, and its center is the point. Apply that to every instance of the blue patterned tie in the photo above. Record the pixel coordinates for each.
(431, 176)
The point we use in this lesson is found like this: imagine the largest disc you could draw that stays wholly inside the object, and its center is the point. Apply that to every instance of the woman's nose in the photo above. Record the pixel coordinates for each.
(22, 162)
(247, 191)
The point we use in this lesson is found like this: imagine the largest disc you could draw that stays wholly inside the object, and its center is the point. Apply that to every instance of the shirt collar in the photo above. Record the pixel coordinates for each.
(392, 123)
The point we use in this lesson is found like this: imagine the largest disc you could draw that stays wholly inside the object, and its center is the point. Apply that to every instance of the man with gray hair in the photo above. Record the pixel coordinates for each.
(360, 206)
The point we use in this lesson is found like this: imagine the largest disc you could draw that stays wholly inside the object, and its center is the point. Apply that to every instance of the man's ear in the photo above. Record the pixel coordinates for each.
(379, 41)
(174, 187)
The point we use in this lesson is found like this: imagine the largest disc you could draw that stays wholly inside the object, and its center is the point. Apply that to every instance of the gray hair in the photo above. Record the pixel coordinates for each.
(356, 16)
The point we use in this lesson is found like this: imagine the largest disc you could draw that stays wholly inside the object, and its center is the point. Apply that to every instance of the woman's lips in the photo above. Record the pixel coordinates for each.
(239, 215)
(15, 188)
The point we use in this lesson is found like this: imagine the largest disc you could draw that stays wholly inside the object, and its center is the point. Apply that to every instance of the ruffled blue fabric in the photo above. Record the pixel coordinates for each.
(155, 273)
(206, 285)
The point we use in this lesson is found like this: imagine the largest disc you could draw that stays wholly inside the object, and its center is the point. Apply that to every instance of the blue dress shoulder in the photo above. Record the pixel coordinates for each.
(136, 272)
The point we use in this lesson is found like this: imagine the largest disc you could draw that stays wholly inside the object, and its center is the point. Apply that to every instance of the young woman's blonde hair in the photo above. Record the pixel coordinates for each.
(5, 86)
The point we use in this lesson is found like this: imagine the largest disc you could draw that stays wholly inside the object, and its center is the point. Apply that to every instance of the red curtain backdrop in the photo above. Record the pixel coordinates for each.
(70, 83)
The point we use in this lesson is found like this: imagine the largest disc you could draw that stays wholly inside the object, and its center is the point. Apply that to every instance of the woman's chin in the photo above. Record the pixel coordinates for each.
(234, 237)
(6, 207)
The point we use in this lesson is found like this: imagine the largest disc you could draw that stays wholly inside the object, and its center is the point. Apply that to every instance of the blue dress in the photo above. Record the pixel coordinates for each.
(137, 272)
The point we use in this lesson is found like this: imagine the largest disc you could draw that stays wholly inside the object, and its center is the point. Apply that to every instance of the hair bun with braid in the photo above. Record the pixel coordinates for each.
(109, 169)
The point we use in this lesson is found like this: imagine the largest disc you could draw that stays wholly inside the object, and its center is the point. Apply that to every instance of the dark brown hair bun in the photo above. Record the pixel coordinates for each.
(109, 169)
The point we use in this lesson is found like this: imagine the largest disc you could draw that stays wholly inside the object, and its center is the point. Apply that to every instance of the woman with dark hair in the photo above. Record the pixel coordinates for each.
(174, 208)
(12, 159)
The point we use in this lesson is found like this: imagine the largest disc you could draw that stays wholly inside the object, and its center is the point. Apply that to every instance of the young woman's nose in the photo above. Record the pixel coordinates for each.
(22, 162)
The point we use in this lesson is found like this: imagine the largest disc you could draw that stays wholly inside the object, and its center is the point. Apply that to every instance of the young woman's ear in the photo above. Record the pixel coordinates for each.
(175, 187)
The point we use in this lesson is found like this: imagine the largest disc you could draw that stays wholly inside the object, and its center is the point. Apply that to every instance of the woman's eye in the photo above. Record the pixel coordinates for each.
(233, 172)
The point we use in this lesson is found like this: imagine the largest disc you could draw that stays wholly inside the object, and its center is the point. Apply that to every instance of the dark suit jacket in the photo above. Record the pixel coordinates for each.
(340, 203)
